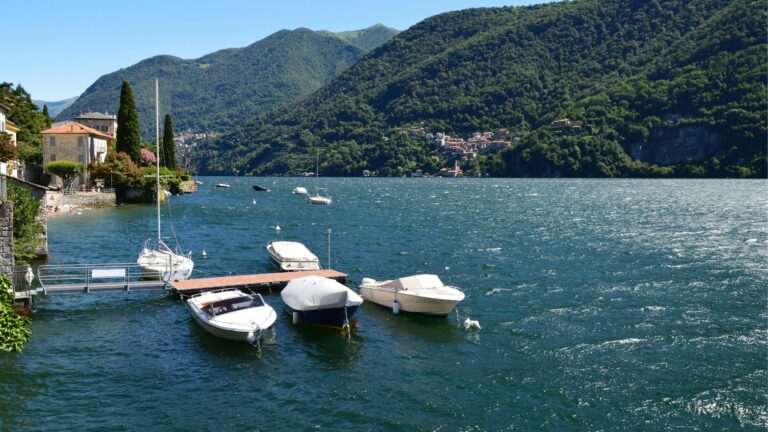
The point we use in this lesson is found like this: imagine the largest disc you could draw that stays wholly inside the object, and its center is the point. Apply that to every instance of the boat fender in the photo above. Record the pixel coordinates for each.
(251, 337)
(295, 317)
(367, 281)
(395, 307)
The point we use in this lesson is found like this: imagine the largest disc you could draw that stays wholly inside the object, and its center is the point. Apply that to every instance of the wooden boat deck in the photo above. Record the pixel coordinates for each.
(254, 282)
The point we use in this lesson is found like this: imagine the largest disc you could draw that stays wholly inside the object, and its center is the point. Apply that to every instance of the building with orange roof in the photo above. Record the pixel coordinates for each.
(102, 122)
(74, 142)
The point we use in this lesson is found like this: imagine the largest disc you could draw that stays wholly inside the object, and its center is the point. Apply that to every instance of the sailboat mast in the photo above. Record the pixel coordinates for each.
(157, 153)
(317, 173)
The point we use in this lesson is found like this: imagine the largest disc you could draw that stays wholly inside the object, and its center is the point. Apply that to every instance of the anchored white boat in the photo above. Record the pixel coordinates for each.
(159, 258)
(424, 294)
(317, 198)
(232, 314)
(222, 185)
(298, 190)
(320, 301)
(292, 256)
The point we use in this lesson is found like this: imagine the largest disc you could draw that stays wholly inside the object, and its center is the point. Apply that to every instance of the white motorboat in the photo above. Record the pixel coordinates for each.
(222, 185)
(232, 314)
(424, 294)
(320, 301)
(298, 190)
(317, 198)
(292, 256)
(158, 258)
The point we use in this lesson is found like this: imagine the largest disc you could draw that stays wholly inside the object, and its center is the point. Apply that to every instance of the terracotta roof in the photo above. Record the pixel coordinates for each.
(71, 127)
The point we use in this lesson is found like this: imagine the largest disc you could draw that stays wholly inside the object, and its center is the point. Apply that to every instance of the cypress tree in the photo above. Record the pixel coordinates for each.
(168, 151)
(45, 110)
(128, 132)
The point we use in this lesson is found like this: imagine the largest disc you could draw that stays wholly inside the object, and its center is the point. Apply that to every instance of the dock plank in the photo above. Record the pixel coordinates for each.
(257, 282)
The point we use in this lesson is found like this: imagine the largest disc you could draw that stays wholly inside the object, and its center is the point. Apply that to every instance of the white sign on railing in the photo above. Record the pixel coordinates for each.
(108, 273)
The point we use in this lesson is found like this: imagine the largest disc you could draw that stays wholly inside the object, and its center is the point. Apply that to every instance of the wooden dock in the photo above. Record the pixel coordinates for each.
(255, 282)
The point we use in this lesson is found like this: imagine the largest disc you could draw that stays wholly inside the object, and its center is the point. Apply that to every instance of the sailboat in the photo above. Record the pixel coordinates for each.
(317, 198)
(158, 258)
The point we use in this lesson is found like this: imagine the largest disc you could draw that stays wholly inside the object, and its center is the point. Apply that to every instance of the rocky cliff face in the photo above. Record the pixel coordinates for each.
(672, 145)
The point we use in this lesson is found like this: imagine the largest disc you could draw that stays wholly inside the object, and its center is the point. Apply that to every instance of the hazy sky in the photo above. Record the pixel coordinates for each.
(56, 49)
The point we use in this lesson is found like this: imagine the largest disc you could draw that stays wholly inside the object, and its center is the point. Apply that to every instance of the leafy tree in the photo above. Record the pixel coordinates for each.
(8, 151)
(30, 121)
(65, 169)
(128, 128)
(26, 224)
(168, 148)
(14, 329)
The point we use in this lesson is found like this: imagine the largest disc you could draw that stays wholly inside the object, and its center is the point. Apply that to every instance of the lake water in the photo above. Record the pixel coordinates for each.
(604, 305)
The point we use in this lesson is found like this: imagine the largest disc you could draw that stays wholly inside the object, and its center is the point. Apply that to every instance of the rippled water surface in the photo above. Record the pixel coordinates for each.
(604, 304)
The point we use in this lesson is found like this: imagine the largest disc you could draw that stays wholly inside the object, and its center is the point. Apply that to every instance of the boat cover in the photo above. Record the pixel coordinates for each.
(315, 292)
(293, 251)
(417, 282)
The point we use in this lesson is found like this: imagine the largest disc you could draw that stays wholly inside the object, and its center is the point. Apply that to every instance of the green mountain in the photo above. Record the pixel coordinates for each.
(660, 88)
(220, 90)
(55, 107)
(366, 39)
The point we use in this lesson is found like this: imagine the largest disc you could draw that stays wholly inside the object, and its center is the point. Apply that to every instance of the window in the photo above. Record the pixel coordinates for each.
(53, 141)
(53, 157)
(79, 141)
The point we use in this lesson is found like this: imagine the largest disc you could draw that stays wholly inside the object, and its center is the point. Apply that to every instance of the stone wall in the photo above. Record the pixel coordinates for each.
(667, 146)
(6, 238)
(88, 199)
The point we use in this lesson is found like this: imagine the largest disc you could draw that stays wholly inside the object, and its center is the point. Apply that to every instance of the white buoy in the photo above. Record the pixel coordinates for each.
(395, 307)
(295, 317)
(203, 253)
(254, 201)
(277, 228)
(470, 324)
(251, 337)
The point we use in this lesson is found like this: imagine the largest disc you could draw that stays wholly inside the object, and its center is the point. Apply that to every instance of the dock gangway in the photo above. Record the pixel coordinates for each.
(87, 278)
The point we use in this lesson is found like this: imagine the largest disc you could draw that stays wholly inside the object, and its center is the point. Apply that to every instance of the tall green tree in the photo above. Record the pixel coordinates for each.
(128, 128)
(45, 111)
(168, 150)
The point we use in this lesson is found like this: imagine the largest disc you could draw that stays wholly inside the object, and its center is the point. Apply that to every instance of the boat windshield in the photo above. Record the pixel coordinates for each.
(235, 304)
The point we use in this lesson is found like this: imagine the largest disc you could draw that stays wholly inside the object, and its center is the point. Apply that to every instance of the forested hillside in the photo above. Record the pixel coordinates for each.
(221, 90)
(661, 88)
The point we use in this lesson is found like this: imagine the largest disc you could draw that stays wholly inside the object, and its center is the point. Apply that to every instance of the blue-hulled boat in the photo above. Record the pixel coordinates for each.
(320, 301)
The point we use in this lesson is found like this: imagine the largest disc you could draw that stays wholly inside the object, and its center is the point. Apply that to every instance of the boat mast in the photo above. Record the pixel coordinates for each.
(157, 153)
(317, 172)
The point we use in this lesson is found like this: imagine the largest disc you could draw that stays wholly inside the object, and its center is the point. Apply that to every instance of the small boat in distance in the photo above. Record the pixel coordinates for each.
(298, 190)
(423, 294)
(258, 188)
(198, 182)
(292, 256)
(222, 185)
(320, 301)
(317, 198)
(231, 314)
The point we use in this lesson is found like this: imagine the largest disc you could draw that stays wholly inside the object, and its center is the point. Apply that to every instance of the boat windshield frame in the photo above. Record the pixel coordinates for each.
(234, 304)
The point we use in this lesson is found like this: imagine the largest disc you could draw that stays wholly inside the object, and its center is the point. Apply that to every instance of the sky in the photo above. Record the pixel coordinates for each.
(56, 49)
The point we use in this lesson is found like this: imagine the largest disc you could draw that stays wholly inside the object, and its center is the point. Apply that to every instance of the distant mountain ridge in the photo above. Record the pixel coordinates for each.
(55, 107)
(222, 89)
(672, 88)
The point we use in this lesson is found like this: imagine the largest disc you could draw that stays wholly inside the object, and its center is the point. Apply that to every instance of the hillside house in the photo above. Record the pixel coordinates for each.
(7, 127)
(102, 122)
(74, 142)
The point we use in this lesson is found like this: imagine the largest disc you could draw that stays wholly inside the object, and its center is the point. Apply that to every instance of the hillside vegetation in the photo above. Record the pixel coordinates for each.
(220, 90)
(646, 78)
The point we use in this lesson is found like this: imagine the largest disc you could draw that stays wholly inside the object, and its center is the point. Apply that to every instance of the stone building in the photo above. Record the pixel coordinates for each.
(74, 142)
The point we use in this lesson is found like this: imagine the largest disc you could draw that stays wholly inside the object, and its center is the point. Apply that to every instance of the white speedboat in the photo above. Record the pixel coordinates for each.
(298, 190)
(292, 256)
(158, 258)
(424, 294)
(320, 301)
(222, 185)
(232, 314)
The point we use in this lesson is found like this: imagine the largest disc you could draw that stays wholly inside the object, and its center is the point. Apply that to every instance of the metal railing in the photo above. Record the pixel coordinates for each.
(75, 191)
(96, 277)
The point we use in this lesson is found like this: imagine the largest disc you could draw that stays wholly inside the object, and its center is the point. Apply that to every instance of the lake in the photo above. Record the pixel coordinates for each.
(604, 305)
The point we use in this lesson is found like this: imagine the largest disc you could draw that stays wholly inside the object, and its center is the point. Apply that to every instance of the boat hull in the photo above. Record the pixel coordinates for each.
(409, 303)
(334, 318)
(236, 325)
(290, 265)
